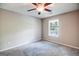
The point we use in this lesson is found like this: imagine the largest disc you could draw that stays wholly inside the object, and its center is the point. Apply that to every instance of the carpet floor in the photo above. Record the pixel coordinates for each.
(42, 48)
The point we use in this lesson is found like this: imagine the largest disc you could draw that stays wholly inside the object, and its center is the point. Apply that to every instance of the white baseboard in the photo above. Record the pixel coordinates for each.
(17, 46)
(64, 45)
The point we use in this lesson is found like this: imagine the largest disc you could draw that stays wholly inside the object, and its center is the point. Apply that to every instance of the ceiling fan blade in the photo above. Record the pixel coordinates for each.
(32, 9)
(34, 4)
(47, 10)
(46, 4)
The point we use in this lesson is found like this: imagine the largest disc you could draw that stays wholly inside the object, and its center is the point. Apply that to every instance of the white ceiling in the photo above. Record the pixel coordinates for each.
(57, 8)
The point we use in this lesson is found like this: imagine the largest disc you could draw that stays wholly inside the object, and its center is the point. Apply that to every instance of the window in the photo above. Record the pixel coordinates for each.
(53, 28)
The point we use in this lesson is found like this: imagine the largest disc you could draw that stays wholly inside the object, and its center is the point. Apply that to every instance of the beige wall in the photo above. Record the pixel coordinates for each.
(17, 29)
(69, 29)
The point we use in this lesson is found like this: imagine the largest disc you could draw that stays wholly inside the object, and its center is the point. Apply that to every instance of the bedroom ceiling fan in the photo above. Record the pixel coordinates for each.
(40, 7)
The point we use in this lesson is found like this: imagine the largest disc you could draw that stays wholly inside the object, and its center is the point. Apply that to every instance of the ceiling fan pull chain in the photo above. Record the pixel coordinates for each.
(39, 13)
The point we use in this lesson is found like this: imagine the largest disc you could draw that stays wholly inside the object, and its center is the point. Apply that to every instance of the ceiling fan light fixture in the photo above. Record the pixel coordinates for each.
(40, 7)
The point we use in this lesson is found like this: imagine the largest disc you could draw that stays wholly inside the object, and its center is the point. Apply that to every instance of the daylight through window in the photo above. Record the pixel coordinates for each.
(53, 28)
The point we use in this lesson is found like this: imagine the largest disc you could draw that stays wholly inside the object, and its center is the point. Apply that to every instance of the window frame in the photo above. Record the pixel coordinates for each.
(54, 32)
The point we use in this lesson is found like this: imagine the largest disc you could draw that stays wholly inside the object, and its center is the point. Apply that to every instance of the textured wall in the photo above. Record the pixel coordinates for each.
(17, 29)
(69, 29)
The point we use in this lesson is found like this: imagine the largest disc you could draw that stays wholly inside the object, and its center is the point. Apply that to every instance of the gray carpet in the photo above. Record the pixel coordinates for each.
(41, 48)
(44, 48)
